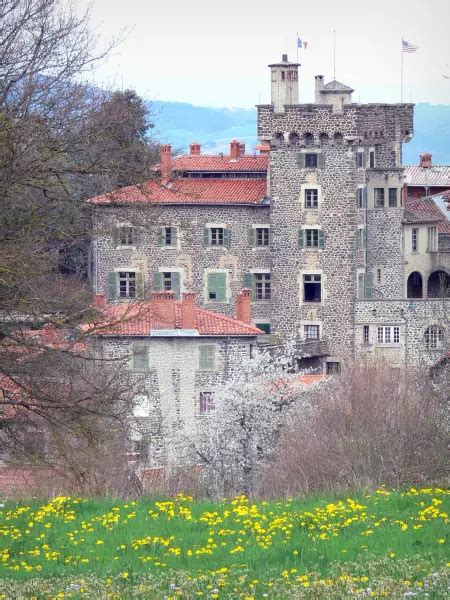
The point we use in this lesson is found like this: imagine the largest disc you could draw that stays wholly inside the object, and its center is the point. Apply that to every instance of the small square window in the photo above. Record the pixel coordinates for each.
(310, 160)
(333, 368)
(312, 332)
(206, 402)
(311, 198)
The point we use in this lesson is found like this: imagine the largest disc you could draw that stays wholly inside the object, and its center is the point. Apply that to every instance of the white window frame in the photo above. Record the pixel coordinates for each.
(432, 240)
(303, 197)
(415, 239)
(179, 270)
(126, 270)
(388, 335)
(262, 272)
(171, 246)
(120, 246)
(261, 226)
(301, 289)
(436, 337)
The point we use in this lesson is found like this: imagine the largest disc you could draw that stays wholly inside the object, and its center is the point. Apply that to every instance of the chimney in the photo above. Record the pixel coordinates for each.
(318, 88)
(99, 300)
(284, 58)
(234, 150)
(194, 149)
(163, 309)
(426, 160)
(189, 311)
(241, 149)
(166, 162)
(243, 307)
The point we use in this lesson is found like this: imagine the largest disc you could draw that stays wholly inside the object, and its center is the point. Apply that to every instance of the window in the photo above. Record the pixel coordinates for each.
(206, 357)
(378, 194)
(168, 236)
(262, 286)
(125, 236)
(333, 368)
(311, 238)
(263, 326)
(262, 236)
(389, 335)
(167, 281)
(312, 288)
(360, 159)
(283, 75)
(434, 337)
(206, 402)
(311, 198)
(127, 284)
(141, 406)
(366, 332)
(371, 159)
(393, 192)
(140, 356)
(217, 236)
(365, 285)
(414, 239)
(312, 332)
(217, 287)
(432, 239)
(310, 161)
(362, 197)
(361, 238)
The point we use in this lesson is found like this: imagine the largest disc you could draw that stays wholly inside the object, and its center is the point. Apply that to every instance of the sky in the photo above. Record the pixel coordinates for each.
(216, 53)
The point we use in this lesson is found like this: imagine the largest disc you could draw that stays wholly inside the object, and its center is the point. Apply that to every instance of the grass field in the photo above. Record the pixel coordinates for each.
(384, 544)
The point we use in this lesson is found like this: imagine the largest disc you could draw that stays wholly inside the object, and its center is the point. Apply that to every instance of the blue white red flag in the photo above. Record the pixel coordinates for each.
(301, 43)
(407, 47)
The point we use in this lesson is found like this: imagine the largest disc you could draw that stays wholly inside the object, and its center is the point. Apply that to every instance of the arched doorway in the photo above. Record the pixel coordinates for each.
(438, 285)
(415, 285)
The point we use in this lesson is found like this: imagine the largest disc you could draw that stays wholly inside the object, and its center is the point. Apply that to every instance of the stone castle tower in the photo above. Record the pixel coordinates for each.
(335, 182)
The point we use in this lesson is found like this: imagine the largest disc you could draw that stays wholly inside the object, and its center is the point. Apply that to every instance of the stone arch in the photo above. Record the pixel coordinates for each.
(338, 137)
(324, 139)
(294, 138)
(414, 286)
(308, 138)
(438, 284)
(278, 139)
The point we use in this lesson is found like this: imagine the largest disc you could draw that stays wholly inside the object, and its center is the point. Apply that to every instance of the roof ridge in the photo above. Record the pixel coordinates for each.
(227, 318)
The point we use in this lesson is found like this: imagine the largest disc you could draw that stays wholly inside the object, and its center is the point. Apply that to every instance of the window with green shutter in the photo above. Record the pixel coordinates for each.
(249, 283)
(113, 288)
(217, 287)
(206, 357)
(140, 356)
(167, 281)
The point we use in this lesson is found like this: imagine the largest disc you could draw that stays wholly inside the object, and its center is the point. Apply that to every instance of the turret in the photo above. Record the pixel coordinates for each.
(284, 83)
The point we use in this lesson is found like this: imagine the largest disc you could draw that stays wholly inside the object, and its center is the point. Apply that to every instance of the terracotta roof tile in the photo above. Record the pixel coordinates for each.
(438, 176)
(219, 164)
(189, 191)
(426, 210)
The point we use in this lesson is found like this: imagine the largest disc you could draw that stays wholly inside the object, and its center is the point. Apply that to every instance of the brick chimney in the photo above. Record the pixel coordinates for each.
(241, 149)
(163, 309)
(166, 162)
(235, 150)
(243, 307)
(99, 300)
(189, 311)
(195, 149)
(426, 160)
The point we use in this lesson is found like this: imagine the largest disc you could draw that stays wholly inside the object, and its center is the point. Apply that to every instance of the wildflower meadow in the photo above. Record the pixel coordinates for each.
(383, 544)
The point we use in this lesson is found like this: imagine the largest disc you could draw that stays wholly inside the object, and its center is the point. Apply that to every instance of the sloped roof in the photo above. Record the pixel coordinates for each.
(425, 210)
(141, 318)
(218, 163)
(438, 176)
(336, 86)
(188, 191)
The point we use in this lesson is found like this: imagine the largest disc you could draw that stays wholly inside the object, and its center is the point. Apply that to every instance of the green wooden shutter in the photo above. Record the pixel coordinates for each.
(112, 286)
(139, 285)
(207, 236)
(174, 235)
(157, 282)
(175, 282)
(321, 238)
(364, 197)
(206, 357)
(361, 284)
(226, 237)
(301, 238)
(248, 282)
(369, 285)
(161, 237)
(252, 236)
(221, 287)
(301, 160)
(140, 356)
(321, 160)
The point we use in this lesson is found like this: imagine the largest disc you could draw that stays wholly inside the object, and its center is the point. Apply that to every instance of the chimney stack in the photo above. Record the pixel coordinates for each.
(426, 160)
(99, 300)
(235, 150)
(189, 311)
(166, 162)
(243, 307)
(284, 58)
(318, 88)
(163, 309)
(195, 149)
(241, 149)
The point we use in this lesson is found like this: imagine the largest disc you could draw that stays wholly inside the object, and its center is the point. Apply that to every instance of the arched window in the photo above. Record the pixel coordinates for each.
(415, 285)
(324, 139)
(433, 338)
(438, 285)
(294, 139)
(278, 139)
(338, 138)
(308, 138)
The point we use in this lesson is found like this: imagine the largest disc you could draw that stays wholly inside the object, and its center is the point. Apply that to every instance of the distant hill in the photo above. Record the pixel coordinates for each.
(180, 123)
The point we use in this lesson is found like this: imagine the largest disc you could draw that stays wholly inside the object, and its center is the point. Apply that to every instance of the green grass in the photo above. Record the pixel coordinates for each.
(390, 542)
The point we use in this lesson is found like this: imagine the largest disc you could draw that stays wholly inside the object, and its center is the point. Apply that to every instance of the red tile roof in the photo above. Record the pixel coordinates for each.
(438, 176)
(219, 164)
(140, 318)
(189, 191)
(426, 207)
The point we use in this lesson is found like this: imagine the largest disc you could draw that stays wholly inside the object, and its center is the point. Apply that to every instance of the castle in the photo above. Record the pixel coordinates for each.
(317, 226)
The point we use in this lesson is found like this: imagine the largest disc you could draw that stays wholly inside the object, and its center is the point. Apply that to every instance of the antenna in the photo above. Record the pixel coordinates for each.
(334, 54)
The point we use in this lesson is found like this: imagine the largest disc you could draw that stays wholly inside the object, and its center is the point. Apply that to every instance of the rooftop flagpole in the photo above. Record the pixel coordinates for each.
(334, 54)
(401, 77)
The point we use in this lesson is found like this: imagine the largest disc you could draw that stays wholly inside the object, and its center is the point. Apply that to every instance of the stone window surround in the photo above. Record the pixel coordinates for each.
(391, 343)
(313, 248)
(178, 236)
(214, 367)
(300, 286)
(216, 226)
(386, 188)
(205, 285)
(424, 283)
(302, 329)
(119, 226)
(436, 336)
(308, 186)
(179, 270)
(261, 226)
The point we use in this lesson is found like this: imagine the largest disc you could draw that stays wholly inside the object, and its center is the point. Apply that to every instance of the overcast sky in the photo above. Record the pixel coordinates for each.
(216, 53)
